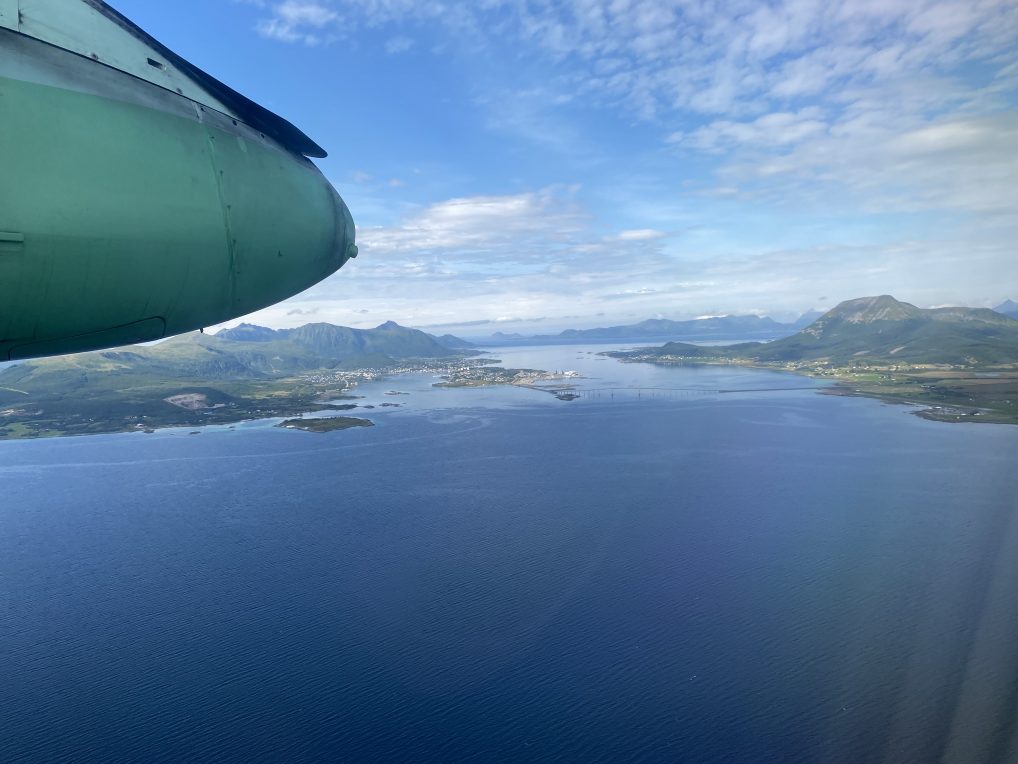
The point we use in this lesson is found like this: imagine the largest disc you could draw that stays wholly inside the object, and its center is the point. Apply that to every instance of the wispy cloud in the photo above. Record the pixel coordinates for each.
(302, 21)
(518, 225)
(640, 234)
(893, 163)
(849, 109)
(793, 80)
(398, 44)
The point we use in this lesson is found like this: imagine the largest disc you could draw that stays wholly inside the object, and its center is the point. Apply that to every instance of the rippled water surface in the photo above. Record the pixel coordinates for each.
(677, 574)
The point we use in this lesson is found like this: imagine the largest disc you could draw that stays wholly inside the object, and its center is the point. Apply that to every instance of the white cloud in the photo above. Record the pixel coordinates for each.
(640, 234)
(789, 86)
(398, 44)
(298, 21)
(883, 163)
(480, 225)
(776, 129)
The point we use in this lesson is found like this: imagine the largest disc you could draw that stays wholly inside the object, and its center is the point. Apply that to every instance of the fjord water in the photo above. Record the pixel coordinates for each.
(495, 574)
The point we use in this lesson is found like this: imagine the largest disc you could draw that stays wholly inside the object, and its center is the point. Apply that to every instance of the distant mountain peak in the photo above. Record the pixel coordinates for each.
(887, 329)
(454, 342)
(247, 333)
(389, 325)
(862, 310)
(807, 318)
(1008, 308)
(884, 307)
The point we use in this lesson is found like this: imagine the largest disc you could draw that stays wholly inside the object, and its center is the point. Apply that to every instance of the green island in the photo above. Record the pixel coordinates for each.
(959, 364)
(483, 376)
(324, 424)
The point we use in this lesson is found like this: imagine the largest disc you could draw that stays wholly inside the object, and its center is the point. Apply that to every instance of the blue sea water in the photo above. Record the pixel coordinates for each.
(684, 573)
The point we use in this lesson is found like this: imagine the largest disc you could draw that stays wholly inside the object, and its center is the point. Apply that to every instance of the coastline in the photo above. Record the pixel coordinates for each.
(947, 395)
(220, 402)
(880, 383)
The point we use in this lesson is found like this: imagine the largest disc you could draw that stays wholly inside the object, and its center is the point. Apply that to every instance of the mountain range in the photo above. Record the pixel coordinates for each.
(243, 352)
(342, 344)
(882, 330)
(709, 328)
(735, 327)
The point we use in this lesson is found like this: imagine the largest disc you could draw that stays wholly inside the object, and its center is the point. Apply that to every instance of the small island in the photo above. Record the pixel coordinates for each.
(483, 376)
(325, 424)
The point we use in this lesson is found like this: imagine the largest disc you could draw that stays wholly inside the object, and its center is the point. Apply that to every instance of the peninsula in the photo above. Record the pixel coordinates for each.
(961, 364)
(249, 372)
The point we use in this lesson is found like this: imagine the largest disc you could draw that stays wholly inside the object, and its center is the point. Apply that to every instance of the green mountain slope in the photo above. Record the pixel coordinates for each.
(196, 379)
(341, 342)
(244, 353)
(879, 331)
(884, 330)
(961, 362)
(452, 341)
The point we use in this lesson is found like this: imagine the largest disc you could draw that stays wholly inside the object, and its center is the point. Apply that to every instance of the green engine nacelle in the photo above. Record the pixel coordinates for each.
(132, 209)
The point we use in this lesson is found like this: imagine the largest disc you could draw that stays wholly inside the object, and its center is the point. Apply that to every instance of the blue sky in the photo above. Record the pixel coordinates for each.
(516, 165)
